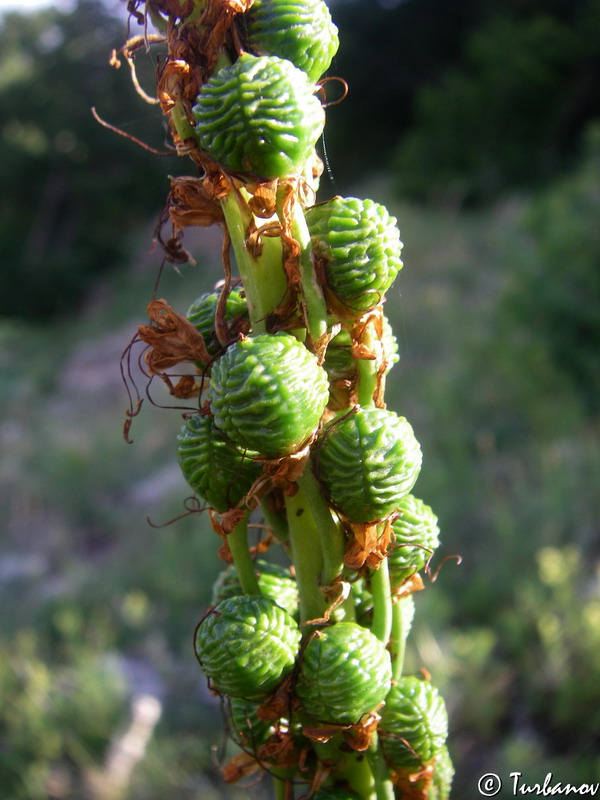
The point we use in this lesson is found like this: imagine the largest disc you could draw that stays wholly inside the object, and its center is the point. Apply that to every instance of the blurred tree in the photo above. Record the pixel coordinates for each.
(513, 112)
(72, 191)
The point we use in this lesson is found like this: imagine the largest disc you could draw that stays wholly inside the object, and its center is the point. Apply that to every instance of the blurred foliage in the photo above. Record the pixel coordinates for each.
(511, 112)
(72, 191)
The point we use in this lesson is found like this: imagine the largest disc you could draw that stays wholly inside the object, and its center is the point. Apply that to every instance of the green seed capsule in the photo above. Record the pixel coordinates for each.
(202, 314)
(247, 645)
(345, 673)
(268, 393)
(368, 462)
(259, 116)
(275, 582)
(299, 30)
(417, 536)
(216, 470)
(248, 729)
(441, 784)
(414, 724)
(360, 246)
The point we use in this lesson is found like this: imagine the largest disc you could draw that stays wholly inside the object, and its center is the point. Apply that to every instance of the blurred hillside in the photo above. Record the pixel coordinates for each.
(491, 162)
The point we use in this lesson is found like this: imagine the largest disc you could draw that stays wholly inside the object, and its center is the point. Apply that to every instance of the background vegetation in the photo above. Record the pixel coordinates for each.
(477, 123)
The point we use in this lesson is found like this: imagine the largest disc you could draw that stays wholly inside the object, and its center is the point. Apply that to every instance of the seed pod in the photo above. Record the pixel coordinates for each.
(259, 116)
(247, 645)
(417, 536)
(248, 729)
(441, 784)
(268, 393)
(216, 470)
(299, 30)
(345, 673)
(359, 245)
(275, 582)
(202, 314)
(368, 462)
(414, 724)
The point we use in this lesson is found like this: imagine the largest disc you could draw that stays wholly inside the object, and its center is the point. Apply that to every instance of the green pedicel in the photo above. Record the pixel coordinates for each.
(259, 116)
(345, 673)
(368, 462)
(247, 645)
(268, 393)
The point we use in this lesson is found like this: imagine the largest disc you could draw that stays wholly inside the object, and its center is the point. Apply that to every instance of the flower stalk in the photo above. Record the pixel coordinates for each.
(287, 363)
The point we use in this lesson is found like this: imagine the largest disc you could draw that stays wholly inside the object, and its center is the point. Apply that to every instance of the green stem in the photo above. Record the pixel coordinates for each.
(263, 277)
(384, 788)
(307, 557)
(330, 534)
(382, 602)
(313, 300)
(401, 617)
(367, 380)
(242, 561)
(276, 522)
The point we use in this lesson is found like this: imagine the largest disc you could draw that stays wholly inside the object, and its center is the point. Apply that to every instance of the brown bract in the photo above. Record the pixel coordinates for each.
(413, 785)
(172, 339)
(369, 545)
(358, 737)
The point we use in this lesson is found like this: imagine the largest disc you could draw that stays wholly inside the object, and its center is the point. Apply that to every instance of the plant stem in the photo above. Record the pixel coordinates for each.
(367, 380)
(382, 602)
(307, 556)
(242, 561)
(330, 534)
(263, 277)
(384, 787)
(401, 616)
(313, 300)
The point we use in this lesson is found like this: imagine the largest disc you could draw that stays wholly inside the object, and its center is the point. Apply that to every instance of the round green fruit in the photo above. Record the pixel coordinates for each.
(359, 245)
(416, 534)
(275, 582)
(202, 314)
(414, 724)
(259, 116)
(368, 461)
(217, 471)
(268, 393)
(247, 645)
(345, 673)
(299, 30)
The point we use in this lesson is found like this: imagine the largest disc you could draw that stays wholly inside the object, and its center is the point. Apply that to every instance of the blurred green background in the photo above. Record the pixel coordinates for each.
(478, 123)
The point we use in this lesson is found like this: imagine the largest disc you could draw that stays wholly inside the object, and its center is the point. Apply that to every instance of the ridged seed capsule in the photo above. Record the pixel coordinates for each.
(268, 393)
(275, 582)
(247, 645)
(359, 245)
(368, 461)
(217, 471)
(416, 534)
(259, 116)
(345, 673)
(300, 30)
(202, 314)
(414, 724)
(441, 784)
